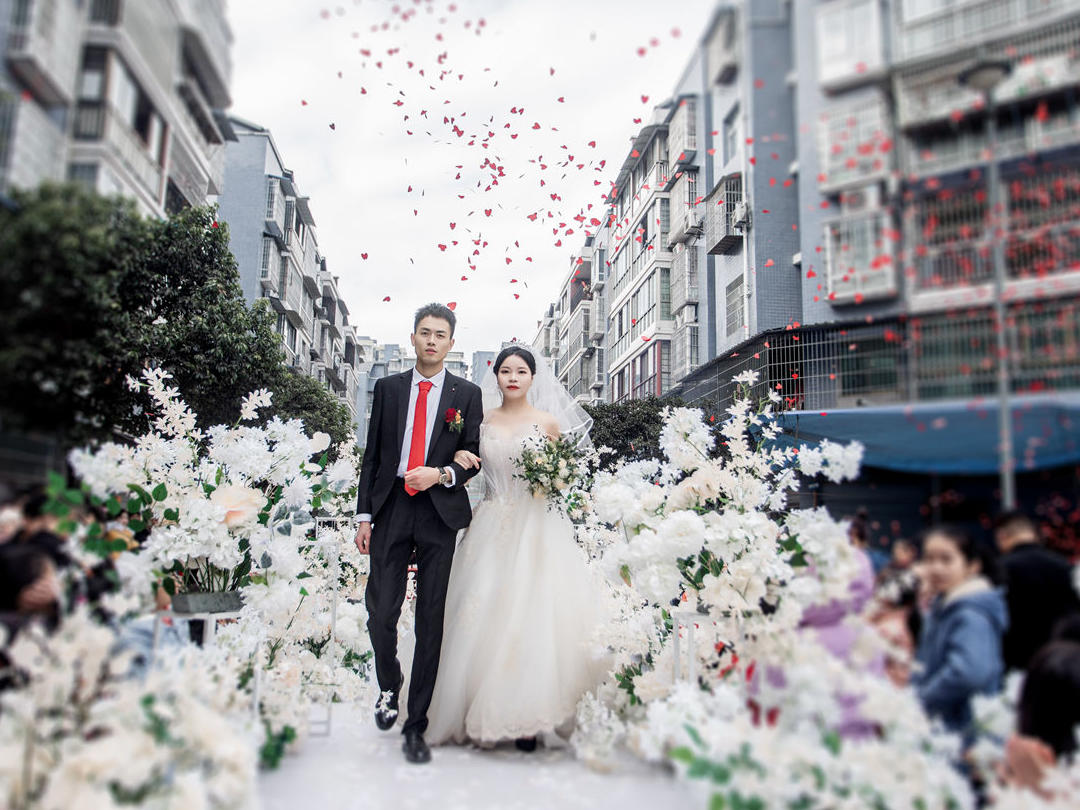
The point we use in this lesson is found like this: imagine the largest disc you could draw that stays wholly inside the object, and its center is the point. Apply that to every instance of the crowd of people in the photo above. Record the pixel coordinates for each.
(961, 613)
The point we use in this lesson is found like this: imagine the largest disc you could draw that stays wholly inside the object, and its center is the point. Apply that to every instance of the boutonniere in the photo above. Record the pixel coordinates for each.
(454, 420)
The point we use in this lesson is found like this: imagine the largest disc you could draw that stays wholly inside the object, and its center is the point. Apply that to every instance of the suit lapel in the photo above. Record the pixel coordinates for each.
(404, 384)
(445, 398)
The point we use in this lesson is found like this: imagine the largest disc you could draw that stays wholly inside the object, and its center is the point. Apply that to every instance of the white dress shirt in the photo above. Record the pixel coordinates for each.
(433, 396)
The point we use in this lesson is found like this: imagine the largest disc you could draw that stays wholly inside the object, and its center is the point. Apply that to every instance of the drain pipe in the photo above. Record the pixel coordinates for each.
(744, 116)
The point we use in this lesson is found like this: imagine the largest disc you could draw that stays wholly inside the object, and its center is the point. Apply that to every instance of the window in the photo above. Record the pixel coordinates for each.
(290, 339)
(665, 293)
(271, 196)
(731, 134)
(848, 39)
(734, 296)
(859, 255)
(283, 278)
(85, 173)
(267, 253)
(92, 78)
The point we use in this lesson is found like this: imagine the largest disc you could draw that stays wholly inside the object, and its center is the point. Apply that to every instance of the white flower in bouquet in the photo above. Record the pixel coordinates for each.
(242, 505)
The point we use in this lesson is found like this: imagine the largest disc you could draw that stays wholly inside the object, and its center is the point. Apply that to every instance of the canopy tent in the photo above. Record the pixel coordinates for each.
(948, 437)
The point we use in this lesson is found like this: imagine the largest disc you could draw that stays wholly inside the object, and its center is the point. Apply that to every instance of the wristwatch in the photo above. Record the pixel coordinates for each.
(444, 476)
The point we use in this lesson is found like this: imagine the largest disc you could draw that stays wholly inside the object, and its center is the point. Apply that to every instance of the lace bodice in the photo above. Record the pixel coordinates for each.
(498, 450)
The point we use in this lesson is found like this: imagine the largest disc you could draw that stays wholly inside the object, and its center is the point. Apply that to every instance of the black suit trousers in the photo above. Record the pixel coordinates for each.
(406, 523)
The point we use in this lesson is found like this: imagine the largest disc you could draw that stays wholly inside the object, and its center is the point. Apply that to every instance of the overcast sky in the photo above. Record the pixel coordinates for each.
(338, 115)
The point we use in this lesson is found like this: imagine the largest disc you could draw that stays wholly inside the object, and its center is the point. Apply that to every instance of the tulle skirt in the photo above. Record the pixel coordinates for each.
(520, 640)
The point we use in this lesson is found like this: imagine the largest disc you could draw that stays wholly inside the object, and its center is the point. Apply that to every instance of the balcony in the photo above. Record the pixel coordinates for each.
(97, 121)
(682, 134)
(684, 278)
(274, 221)
(684, 350)
(599, 379)
(965, 23)
(207, 46)
(725, 217)
(723, 49)
(1043, 63)
(43, 47)
(969, 147)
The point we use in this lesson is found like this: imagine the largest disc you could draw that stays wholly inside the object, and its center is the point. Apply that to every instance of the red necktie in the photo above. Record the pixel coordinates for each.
(419, 432)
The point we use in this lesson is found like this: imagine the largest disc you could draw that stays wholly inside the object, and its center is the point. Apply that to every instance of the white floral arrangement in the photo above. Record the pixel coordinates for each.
(81, 732)
(708, 539)
(235, 508)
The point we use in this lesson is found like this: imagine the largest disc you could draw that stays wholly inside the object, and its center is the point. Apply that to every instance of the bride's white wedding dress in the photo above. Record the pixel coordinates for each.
(522, 610)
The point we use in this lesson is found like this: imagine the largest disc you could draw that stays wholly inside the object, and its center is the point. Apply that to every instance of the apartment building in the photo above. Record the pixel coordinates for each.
(579, 325)
(272, 234)
(126, 97)
(481, 362)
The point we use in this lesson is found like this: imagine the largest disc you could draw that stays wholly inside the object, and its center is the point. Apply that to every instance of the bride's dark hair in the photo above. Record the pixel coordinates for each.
(510, 351)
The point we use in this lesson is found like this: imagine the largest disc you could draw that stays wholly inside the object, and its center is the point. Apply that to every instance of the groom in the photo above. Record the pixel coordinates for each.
(412, 498)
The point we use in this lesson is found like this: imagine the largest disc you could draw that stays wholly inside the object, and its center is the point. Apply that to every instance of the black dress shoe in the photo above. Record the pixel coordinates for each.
(416, 750)
(526, 744)
(386, 708)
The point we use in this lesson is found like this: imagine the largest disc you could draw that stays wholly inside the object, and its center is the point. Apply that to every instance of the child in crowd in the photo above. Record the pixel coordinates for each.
(960, 647)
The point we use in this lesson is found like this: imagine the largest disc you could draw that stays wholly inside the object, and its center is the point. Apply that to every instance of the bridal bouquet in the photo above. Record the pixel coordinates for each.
(554, 469)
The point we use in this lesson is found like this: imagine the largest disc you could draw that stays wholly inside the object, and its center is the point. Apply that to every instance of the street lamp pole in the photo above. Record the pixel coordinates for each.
(998, 222)
(985, 75)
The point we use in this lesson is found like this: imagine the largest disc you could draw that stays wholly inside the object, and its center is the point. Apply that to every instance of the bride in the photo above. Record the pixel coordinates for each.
(522, 608)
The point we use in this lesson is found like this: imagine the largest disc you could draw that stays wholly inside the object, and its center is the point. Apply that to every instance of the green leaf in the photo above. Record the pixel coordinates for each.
(56, 509)
(113, 507)
(171, 514)
(134, 506)
(55, 480)
(694, 735)
(624, 572)
(136, 525)
(169, 585)
(718, 802)
(73, 496)
(160, 492)
(116, 545)
(833, 742)
(144, 496)
(699, 769)
(682, 754)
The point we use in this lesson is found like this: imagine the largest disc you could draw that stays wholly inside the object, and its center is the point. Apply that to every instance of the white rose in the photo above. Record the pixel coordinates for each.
(319, 442)
(242, 504)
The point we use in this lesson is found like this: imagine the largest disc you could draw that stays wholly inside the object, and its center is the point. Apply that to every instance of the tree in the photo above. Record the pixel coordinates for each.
(298, 396)
(91, 292)
(631, 428)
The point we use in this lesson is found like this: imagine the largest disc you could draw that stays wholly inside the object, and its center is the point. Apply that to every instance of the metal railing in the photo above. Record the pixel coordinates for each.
(966, 22)
(916, 359)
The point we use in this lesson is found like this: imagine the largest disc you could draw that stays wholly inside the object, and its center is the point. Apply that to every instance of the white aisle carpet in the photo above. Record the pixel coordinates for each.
(359, 767)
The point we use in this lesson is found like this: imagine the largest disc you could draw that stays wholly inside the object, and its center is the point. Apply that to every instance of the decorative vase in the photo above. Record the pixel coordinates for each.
(204, 602)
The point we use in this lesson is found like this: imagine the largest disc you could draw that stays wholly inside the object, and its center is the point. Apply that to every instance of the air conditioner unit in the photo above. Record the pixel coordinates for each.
(860, 200)
(740, 216)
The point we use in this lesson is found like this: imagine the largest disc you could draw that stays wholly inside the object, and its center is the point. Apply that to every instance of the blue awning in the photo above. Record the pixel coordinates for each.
(948, 437)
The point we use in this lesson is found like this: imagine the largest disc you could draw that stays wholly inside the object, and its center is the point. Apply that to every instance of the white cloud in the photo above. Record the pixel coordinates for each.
(358, 173)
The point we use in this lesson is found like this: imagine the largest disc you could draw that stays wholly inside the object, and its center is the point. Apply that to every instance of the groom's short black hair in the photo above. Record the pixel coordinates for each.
(435, 311)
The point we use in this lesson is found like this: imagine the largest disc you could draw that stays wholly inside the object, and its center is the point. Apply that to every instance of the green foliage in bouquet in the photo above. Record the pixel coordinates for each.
(555, 470)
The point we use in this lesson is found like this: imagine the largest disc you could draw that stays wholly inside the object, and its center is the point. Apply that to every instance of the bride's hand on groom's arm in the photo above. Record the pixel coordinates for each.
(466, 460)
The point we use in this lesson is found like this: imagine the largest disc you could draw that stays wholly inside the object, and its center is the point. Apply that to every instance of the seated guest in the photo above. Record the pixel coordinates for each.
(29, 587)
(39, 530)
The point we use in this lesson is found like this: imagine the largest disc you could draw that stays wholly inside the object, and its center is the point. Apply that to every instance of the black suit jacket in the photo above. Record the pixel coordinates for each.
(386, 433)
(1039, 593)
